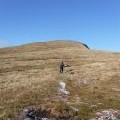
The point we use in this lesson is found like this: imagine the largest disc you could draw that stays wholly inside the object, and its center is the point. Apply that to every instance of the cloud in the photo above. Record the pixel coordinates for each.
(4, 43)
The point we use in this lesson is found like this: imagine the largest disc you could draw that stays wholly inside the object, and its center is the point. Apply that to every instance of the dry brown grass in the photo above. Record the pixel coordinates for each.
(29, 75)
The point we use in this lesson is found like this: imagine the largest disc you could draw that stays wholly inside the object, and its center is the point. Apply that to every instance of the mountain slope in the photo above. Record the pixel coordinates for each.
(29, 76)
(42, 46)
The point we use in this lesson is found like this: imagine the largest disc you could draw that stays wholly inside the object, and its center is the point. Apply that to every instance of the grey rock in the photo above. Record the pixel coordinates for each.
(27, 119)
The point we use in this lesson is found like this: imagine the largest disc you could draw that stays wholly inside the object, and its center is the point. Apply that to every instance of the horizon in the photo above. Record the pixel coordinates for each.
(95, 23)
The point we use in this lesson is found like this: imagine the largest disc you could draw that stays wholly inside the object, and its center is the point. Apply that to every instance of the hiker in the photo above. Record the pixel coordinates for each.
(62, 67)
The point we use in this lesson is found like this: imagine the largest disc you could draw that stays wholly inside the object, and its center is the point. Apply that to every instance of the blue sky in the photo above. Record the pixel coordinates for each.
(94, 22)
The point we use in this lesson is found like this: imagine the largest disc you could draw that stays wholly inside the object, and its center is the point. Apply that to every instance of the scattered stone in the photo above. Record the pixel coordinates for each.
(34, 114)
(93, 119)
(27, 119)
(108, 115)
(25, 110)
(42, 114)
(62, 88)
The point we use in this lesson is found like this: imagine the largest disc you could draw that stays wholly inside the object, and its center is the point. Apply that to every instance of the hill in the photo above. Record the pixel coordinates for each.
(38, 46)
(29, 77)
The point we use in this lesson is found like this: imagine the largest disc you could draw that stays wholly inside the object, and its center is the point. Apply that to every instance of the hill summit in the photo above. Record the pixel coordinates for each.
(44, 45)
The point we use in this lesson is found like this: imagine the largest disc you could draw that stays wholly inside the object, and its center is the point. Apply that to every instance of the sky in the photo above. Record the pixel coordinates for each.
(93, 22)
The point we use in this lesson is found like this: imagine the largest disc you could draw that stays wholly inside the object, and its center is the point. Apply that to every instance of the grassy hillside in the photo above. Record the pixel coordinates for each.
(29, 76)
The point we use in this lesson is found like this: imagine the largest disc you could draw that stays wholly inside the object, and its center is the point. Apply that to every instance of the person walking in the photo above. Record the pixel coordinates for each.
(62, 67)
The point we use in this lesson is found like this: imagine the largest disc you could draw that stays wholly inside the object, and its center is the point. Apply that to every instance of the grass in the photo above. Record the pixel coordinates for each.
(29, 76)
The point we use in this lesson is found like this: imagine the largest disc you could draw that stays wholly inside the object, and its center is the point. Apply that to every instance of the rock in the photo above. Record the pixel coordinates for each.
(45, 119)
(27, 119)
(43, 114)
(30, 113)
(34, 114)
(25, 110)
(108, 115)
(93, 119)
(62, 88)
(99, 114)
